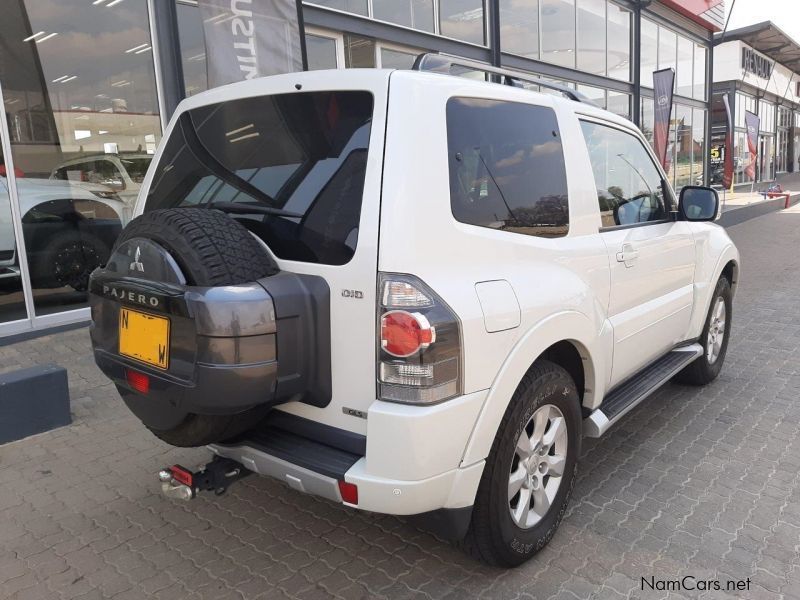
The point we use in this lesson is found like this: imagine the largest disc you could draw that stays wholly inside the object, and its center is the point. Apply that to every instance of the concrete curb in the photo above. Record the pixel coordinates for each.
(741, 214)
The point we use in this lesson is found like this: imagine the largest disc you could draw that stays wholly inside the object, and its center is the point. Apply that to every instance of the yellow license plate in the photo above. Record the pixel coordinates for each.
(144, 337)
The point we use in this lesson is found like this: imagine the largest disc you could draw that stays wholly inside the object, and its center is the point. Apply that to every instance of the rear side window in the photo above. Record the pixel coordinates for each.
(507, 167)
(289, 167)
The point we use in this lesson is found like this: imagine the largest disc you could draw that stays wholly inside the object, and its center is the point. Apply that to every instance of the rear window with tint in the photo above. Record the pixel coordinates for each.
(507, 167)
(289, 167)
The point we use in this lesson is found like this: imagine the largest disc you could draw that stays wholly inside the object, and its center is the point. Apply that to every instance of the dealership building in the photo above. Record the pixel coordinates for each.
(758, 68)
(89, 85)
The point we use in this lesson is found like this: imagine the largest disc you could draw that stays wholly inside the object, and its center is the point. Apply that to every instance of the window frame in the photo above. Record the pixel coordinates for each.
(671, 210)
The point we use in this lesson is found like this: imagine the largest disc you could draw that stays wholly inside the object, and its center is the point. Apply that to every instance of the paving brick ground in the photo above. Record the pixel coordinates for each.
(700, 482)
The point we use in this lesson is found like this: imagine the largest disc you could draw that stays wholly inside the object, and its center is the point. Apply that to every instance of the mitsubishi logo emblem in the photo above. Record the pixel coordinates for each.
(136, 265)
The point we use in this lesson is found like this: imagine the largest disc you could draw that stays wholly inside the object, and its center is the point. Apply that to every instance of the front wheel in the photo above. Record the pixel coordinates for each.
(530, 471)
(714, 339)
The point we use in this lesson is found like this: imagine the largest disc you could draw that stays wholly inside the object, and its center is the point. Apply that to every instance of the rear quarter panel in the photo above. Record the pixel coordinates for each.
(561, 284)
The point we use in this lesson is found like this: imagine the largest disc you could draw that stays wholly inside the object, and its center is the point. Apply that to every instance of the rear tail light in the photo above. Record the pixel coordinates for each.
(419, 354)
(138, 381)
(349, 492)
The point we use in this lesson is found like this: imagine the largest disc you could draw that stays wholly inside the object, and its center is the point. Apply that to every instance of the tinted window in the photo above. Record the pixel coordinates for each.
(289, 167)
(629, 187)
(506, 167)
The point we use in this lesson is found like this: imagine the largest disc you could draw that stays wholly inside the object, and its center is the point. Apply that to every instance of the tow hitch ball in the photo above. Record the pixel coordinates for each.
(182, 484)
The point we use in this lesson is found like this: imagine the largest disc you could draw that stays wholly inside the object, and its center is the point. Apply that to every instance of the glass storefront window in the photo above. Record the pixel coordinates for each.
(595, 94)
(592, 36)
(359, 52)
(321, 52)
(766, 157)
(649, 52)
(462, 20)
(683, 145)
(619, 103)
(667, 49)
(417, 14)
(647, 119)
(12, 300)
(558, 32)
(766, 114)
(700, 67)
(744, 102)
(358, 7)
(684, 78)
(519, 27)
(397, 59)
(698, 145)
(619, 42)
(83, 118)
(741, 157)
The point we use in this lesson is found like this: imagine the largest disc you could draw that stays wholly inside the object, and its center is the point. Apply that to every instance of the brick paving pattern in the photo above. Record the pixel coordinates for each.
(701, 482)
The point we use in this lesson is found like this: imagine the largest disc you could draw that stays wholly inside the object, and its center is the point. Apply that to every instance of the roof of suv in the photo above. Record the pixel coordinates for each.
(332, 79)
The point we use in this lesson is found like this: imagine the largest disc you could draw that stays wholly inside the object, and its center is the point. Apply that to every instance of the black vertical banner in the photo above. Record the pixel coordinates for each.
(663, 82)
(246, 39)
(727, 173)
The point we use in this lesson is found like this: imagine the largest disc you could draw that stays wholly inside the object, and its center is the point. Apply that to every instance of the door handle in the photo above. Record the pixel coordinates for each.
(627, 255)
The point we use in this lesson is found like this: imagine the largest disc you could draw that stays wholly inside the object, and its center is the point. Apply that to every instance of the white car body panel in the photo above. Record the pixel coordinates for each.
(572, 288)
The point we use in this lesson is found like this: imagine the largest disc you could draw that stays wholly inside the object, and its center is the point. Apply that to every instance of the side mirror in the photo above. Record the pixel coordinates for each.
(699, 203)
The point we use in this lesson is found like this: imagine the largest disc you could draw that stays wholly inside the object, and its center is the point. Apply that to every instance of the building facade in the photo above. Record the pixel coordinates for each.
(88, 86)
(758, 68)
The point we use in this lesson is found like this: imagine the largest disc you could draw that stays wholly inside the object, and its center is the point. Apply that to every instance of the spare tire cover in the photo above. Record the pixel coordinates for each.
(210, 249)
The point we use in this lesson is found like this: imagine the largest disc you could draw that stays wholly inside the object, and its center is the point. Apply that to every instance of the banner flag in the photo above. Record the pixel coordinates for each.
(727, 167)
(246, 39)
(663, 82)
(751, 122)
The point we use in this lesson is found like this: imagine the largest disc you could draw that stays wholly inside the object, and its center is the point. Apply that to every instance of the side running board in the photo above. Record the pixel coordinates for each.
(625, 397)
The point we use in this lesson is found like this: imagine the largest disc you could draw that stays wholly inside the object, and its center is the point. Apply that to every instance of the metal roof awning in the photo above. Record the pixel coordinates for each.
(769, 39)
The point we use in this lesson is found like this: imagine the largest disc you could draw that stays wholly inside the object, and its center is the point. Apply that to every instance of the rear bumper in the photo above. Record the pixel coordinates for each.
(404, 466)
(442, 504)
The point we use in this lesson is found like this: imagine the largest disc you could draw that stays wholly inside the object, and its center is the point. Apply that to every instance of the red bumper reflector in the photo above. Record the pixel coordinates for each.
(182, 475)
(138, 381)
(349, 492)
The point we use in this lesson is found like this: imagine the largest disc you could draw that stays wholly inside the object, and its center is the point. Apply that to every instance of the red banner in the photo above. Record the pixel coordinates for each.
(751, 122)
(662, 111)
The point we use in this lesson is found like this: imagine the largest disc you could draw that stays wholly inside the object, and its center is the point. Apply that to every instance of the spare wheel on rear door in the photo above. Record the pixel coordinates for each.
(211, 249)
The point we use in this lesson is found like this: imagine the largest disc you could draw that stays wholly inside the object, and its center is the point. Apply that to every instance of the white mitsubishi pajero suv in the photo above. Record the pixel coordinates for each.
(408, 292)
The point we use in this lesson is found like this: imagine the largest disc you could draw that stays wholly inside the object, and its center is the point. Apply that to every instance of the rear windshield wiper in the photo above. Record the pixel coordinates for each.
(248, 209)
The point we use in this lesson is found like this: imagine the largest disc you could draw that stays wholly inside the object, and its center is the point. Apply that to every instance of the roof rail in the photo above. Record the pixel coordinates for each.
(437, 62)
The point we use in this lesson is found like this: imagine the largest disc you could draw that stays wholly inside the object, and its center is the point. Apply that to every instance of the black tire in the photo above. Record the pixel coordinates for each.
(68, 260)
(493, 536)
(211, 249)
(703, 371)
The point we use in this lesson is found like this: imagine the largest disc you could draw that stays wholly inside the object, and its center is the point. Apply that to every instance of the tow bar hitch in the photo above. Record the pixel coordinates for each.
(182, 484)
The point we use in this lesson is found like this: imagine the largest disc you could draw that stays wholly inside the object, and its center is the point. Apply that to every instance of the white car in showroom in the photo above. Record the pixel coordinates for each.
(122, 173)
(69, 229)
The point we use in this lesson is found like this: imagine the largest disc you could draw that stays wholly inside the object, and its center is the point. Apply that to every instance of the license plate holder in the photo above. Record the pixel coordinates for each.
(144, 337)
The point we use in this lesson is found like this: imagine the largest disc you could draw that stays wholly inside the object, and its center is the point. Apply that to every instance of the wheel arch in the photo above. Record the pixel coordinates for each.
(568, 339)
(731, 272)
